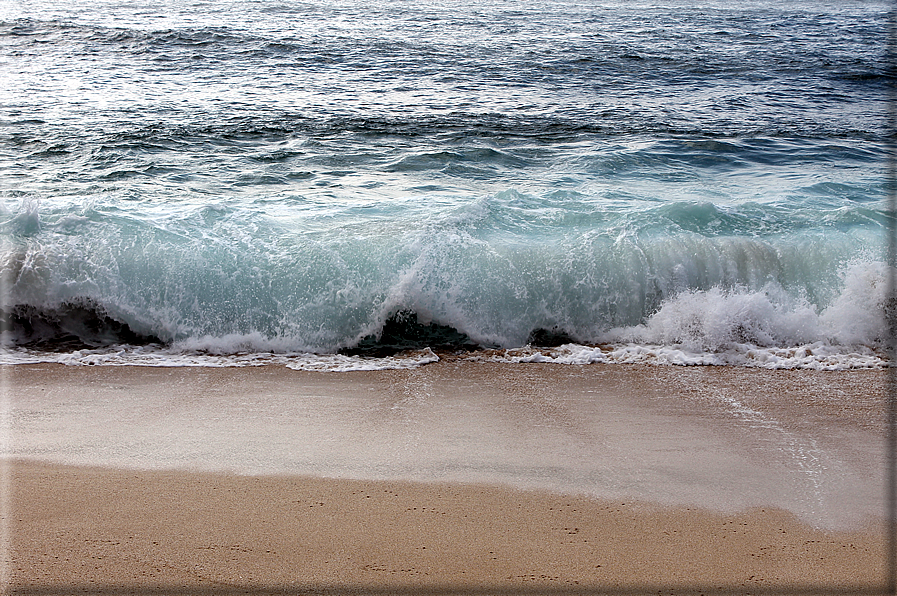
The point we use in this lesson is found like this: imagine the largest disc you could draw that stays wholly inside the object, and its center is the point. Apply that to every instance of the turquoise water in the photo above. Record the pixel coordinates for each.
(262, 180)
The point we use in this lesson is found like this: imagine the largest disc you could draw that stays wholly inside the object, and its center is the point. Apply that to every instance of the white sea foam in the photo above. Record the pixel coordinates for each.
(815, 356)
(341, 363)
(155, 356)
(769, 327)
(739, 327)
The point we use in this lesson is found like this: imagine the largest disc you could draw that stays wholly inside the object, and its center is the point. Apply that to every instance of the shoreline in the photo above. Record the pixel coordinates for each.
(808, 357)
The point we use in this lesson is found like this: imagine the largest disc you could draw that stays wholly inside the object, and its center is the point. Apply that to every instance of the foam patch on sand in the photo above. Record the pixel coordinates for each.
(161, 357)
(815, 356)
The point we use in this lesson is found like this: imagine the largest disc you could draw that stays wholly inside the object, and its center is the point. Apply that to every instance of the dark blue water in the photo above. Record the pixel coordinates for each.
(699, 183)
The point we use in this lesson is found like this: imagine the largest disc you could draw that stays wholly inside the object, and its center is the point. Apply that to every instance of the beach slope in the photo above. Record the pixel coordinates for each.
(452, 478)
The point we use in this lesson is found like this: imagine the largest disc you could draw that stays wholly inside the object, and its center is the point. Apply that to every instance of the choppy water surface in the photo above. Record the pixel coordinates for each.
(231, 183)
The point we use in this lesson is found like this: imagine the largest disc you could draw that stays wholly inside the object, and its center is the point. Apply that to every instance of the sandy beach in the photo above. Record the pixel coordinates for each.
(456, 477)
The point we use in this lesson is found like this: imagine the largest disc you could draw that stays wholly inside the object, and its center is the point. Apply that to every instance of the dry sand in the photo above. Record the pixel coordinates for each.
(115, 531)
(469, 478)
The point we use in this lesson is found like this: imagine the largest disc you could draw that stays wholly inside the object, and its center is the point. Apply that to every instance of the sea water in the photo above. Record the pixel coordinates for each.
(318, 184)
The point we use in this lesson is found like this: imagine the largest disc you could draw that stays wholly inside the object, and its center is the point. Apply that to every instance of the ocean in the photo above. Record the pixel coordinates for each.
(345, 185)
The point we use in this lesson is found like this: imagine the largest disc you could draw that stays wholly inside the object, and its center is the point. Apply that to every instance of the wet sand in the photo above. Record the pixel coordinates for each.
(451, 478)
